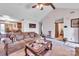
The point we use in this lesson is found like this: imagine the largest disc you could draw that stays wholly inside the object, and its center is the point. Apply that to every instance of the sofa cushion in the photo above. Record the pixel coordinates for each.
(26, 35)
(16, 46)
(19, 37)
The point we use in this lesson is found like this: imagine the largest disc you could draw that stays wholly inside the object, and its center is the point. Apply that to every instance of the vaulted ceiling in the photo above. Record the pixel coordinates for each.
(24, 10)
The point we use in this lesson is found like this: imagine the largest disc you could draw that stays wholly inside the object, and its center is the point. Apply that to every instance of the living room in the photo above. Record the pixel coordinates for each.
(21, 24)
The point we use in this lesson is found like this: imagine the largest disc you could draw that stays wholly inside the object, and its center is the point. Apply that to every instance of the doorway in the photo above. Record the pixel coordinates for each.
(59, 33)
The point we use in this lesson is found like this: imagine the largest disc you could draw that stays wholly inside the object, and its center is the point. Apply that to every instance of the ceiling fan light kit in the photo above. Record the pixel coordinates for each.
(42, 5)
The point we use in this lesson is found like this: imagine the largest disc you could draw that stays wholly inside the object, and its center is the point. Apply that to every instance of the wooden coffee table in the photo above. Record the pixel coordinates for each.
(39, 51)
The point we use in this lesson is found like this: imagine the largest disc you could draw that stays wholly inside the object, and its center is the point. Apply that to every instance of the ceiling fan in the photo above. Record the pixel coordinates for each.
(41, 5)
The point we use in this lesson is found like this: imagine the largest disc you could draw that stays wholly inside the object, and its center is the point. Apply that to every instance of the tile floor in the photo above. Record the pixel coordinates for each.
(58, 49)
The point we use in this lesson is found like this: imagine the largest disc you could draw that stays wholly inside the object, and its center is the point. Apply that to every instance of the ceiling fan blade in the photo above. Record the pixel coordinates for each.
(52, 6)
(34, 6)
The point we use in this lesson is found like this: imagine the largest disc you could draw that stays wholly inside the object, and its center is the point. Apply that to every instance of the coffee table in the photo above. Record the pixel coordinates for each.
(38, 49)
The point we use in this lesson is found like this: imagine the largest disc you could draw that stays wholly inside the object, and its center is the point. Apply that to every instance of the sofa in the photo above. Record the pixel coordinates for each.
(8, 46)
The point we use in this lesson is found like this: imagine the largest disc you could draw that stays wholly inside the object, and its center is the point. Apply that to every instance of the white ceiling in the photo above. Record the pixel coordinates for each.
(24, 10)
(67, 5)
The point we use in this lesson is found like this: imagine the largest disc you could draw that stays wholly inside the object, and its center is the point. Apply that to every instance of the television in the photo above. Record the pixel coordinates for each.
(32, 25)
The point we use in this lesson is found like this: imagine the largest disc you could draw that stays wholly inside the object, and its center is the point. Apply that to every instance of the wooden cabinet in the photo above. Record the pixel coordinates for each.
(13, 27)
(19, 25)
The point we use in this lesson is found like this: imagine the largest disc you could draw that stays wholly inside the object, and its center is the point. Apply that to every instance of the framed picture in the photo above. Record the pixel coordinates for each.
(32, 25)
(75, 23)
